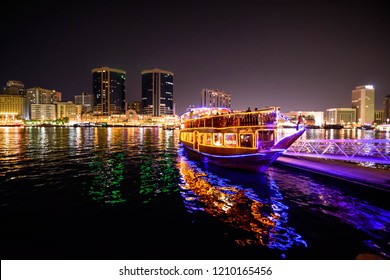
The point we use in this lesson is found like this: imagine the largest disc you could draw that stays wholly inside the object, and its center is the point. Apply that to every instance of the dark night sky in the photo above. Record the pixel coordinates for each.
(299, 55)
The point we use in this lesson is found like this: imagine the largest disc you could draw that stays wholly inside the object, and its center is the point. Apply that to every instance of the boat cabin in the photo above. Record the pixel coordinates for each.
(230, 132)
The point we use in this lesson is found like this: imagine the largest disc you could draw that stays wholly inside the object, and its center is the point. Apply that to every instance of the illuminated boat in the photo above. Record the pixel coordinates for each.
(244, 140)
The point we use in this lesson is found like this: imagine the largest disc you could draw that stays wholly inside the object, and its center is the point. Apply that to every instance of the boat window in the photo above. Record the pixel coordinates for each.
(266, 135)
(190, 137)
(265, 139)
(218, 139)
(202, 138)
(246, 140)
(208, 138)
(183, 136)
(231, 140)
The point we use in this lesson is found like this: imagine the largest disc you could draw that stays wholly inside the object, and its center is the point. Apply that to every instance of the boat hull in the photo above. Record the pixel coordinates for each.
(257, 162)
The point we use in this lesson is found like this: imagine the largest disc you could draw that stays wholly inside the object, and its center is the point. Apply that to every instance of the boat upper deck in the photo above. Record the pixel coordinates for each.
(223, 117)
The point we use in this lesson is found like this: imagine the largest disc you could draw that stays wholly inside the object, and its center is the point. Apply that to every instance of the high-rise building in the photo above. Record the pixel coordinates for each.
(157, 92)
(86, 100)
(363, 100)
(39, 95)
(386, 115)
(215, 98)
(109, 91)
(15, 88)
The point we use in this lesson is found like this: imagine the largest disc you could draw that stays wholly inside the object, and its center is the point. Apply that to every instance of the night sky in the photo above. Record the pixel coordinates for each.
(299, 55)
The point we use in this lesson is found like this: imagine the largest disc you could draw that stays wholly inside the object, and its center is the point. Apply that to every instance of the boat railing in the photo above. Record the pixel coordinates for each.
(235, 119)
(362, 150)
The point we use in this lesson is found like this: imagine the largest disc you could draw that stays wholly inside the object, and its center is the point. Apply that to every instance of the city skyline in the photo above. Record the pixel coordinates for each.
(295, 55)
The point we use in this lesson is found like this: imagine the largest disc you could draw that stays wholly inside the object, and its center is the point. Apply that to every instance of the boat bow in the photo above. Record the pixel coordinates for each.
(287, 141)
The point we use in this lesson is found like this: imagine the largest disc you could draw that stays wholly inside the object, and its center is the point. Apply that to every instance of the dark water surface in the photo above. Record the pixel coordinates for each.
(132, 193)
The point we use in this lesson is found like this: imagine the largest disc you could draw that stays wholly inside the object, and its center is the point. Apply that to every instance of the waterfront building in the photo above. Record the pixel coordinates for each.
(136, 106)
(309, 117)
(43, 112)
(109, 91)
(157, 92)
(15, 88)
(215, 98)
(85, 100)
(341, 116)
(379, 116)
(39, 95)
(13, 107)
(386, 114)
(363, 100)
(69, 110)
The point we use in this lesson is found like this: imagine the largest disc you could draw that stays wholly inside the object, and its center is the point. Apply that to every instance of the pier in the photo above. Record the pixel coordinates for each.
(342, 170)
(343, 159)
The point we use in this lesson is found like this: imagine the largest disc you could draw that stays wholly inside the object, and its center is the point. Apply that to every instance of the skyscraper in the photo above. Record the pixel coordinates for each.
(39, 95)
(215, 98)
(157, 92)
(109, 91)
(363, 100)
(86, 100)
(15, 88)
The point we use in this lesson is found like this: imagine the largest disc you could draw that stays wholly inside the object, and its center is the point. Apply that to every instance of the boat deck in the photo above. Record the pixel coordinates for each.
(373, 177)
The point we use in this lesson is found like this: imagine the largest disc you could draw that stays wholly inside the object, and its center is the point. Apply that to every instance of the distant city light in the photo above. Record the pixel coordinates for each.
(369, 87)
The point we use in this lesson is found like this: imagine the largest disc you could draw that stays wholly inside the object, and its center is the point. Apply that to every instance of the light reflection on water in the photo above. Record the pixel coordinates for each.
(158, 175)
(261, 219)
(48, 172)
(332, 201)
(108, 170)
(145, 156)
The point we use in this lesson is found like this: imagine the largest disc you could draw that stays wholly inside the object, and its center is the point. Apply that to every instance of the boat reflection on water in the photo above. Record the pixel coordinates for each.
(108, 169)
(252, 216)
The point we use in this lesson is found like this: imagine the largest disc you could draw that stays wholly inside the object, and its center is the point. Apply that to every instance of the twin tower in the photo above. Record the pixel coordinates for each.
(109, 91)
